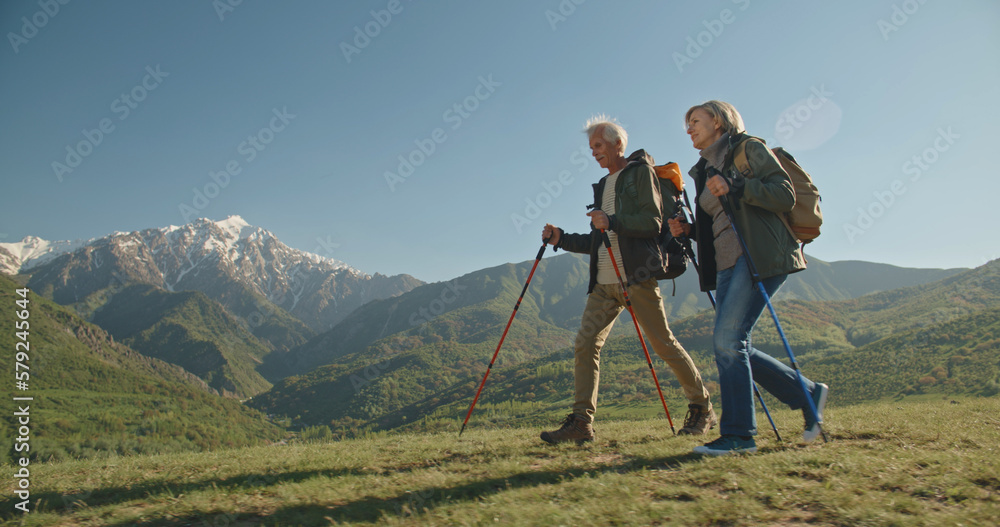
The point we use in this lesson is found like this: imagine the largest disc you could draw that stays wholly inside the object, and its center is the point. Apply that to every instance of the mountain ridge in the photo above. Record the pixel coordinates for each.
(190, 330)
(230, 260)
(94, 396)
(566, 276)
(33, 251)
(383, 395)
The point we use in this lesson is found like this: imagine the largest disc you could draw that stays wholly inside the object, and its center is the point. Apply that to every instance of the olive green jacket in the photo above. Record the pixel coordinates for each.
(637, 220)
(757, 200)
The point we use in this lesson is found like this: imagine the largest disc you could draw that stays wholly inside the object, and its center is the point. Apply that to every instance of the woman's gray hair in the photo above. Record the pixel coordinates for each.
(725, 115)
(612, 130)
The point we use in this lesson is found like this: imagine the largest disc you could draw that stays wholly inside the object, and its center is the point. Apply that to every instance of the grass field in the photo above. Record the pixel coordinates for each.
(916, 462)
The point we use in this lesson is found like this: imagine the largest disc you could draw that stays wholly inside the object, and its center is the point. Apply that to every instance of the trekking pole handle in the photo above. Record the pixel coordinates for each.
(679, 209)
(541, 250)
(712, 172)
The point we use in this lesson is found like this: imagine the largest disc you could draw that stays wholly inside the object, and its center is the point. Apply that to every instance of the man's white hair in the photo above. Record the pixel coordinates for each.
(612, 130)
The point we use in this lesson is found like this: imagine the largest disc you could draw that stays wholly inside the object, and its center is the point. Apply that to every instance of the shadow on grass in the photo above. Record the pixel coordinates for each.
(59, 503)
(367, 509)
(411, 503)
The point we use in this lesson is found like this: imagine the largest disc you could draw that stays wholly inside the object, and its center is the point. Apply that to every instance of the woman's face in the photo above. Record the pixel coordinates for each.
(703, 129)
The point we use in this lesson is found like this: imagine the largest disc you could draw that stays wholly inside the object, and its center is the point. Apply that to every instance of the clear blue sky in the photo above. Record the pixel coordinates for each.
(854, 89)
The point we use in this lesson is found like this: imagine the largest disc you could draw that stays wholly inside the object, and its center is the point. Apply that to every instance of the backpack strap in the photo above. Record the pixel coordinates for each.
(629, 181)
(740, 156)
(742, 164)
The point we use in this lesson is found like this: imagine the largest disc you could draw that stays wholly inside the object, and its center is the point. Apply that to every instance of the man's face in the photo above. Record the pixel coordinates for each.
(603, 150)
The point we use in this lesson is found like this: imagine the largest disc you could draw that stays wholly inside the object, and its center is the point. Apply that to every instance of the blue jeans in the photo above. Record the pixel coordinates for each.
(738, 306)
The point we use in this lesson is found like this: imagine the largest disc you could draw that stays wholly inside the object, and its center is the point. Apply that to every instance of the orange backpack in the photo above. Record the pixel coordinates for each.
(672, 253)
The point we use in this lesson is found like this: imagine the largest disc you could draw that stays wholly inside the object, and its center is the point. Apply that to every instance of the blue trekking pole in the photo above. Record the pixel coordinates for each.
(767, 299)
(711, 298)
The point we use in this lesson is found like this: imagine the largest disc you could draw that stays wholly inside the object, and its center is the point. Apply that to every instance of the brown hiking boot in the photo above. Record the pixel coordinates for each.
(574, 428)
(698, 420)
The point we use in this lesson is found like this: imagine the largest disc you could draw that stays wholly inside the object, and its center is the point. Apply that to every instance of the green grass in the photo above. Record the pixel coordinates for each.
(918, 462)
(94, 397)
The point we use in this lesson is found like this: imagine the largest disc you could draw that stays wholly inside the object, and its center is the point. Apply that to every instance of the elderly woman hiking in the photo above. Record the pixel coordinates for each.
(757, 199)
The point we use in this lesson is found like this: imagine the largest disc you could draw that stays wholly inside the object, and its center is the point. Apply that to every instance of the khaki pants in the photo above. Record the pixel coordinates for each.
(604, 305)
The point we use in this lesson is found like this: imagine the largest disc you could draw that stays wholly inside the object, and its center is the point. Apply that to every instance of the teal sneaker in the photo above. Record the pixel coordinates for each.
(727, 444)
(819, 399)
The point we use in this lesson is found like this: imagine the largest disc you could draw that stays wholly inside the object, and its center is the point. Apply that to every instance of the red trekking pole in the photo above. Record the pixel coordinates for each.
(511, 319)
(628, 303)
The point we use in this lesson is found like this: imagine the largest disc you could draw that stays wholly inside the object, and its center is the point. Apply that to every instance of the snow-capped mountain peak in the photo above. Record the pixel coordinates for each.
(32, 251)
(228, 237)
(236, 226)
(208, 256)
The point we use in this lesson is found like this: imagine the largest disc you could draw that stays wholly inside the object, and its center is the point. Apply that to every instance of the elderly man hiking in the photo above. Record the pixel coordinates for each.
(632, 220)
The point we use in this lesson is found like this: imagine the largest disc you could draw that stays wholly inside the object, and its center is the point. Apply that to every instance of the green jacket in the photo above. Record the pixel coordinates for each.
(637, 220)
(757, 201)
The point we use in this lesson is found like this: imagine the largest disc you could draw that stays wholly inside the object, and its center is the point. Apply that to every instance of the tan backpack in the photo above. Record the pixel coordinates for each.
(805, 219)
